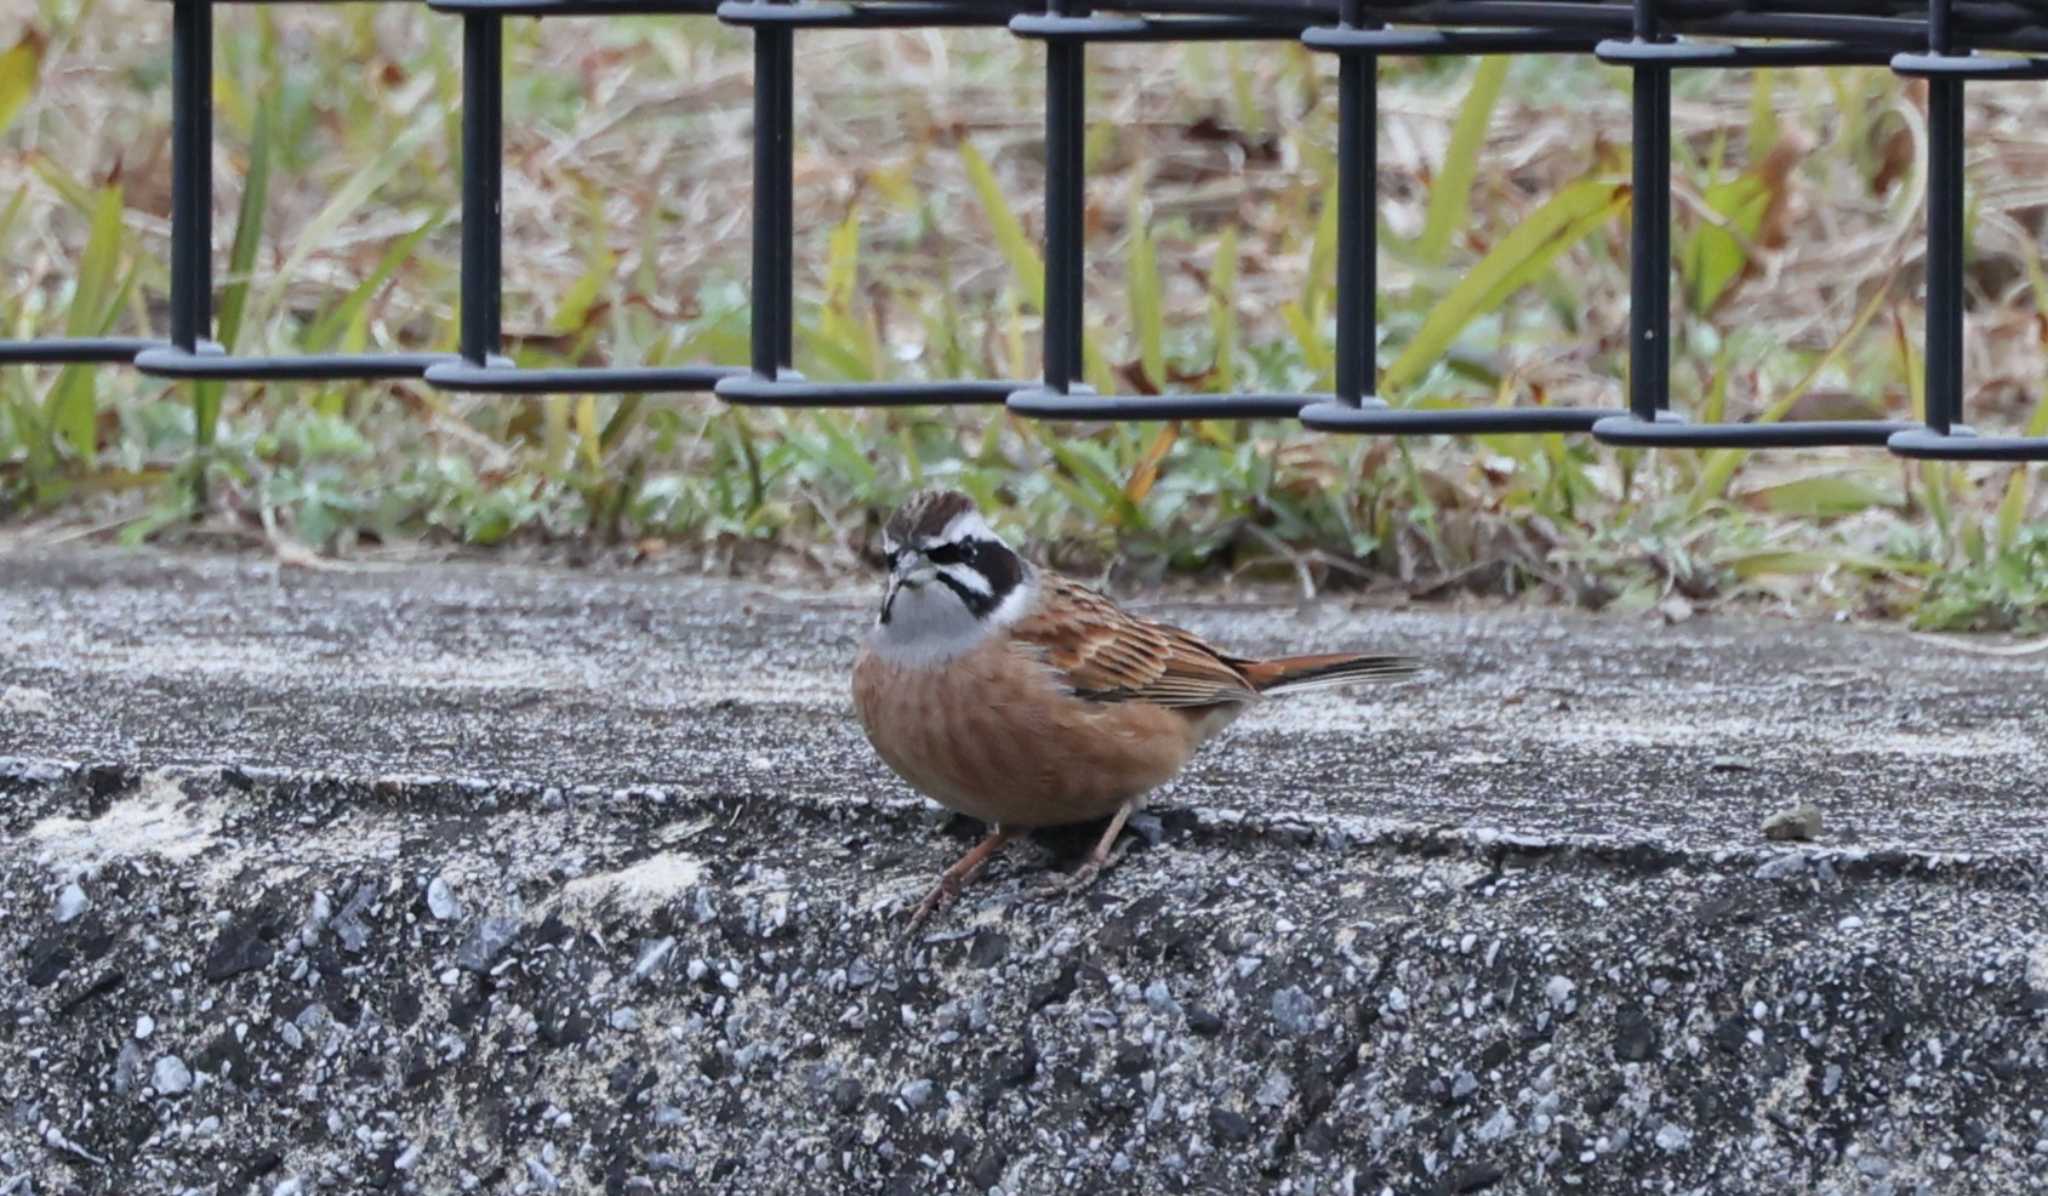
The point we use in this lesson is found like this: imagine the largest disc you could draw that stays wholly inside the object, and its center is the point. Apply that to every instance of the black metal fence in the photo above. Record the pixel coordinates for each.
(1947, 42)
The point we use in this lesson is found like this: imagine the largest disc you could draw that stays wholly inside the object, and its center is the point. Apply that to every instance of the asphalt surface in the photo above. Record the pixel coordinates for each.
(495, 879)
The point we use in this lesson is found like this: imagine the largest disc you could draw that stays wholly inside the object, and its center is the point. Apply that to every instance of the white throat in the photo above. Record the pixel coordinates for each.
(929, 625)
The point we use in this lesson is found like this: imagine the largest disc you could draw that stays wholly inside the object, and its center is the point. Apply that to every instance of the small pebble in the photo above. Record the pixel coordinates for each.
(1294, 1012)
(441, 900)
(170, 1076)
(1160, 997)
(652, 956)
(72, 902)
(145, 1026)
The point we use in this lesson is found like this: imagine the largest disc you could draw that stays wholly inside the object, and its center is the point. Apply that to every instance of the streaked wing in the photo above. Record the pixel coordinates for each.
(1105, 654)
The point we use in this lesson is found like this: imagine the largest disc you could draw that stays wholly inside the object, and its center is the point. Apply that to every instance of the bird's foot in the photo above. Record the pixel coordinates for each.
(942, 893)
(954, 878)
(1068, 884)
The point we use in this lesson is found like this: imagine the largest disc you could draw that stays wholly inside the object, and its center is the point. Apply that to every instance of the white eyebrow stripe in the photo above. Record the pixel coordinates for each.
(967, 525)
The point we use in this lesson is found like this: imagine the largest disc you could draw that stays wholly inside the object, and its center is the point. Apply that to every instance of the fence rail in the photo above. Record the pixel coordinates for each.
(1948, 43)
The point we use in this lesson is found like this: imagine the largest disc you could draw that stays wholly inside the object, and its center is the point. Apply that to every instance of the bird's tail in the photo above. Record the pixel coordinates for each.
(1300, 674)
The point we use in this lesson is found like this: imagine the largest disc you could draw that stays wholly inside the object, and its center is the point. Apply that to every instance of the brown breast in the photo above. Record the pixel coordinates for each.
(992, 734)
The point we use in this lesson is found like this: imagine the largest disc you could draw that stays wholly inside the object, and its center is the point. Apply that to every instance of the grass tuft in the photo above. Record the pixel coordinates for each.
(1211, 221)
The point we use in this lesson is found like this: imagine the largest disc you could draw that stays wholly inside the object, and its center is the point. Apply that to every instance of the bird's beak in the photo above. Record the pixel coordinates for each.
(913, 572)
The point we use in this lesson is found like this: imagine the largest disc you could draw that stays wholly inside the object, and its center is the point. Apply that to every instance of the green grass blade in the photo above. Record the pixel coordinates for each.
(1141, 278)
(1763, 113)
(12, 213)
(326, 332)
(1721, 464)
(1244, 95)
(70, 410)
(1714, 255)
(1518, 258)
(1223, 310)
(65, 184)
(1825, 496)
(1315, 351)
(842, 338)
(1319, 291)
(352, 195)
(573, 313)
(96, 268)
(2012, 509)
(842, 262)
(1450, 197)
(18, 69)
(1017, 249)
(234, 298)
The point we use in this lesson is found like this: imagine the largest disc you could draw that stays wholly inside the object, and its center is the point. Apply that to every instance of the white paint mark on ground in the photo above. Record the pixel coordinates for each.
(157, 819)
(24, 700)
(654, 881)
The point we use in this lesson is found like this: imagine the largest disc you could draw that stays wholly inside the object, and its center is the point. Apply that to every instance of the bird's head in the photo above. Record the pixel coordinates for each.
(950, 576)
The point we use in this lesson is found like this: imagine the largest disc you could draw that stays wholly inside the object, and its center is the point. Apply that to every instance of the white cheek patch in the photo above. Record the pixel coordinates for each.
(1016, 602)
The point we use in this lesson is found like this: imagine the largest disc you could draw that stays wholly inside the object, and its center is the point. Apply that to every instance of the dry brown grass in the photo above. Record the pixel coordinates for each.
(628, 179)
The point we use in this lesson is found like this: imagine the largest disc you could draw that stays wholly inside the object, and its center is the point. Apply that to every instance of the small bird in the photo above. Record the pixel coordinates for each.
(1025, 699)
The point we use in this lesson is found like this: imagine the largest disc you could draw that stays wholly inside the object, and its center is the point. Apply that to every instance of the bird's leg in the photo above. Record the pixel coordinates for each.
(1102, 857)
(959, 874)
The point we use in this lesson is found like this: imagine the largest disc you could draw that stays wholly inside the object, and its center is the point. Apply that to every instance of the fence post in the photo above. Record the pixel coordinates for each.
(191, 173)
(1358, 128)
(773, 333)
(483, 180)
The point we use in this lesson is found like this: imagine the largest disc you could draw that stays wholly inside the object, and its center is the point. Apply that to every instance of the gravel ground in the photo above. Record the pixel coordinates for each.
(495, 879)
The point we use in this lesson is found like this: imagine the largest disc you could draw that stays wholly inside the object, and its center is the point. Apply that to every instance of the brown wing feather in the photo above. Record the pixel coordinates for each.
(1107, 654)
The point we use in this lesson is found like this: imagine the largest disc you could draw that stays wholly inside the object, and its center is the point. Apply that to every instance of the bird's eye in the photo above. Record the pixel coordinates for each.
(892, 557)
(950, 554)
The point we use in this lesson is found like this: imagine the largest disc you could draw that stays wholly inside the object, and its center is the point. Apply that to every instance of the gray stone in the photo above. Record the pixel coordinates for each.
(1799, 823)
(1293, 1012)
(441, 900)
(170, 1076)
(1275, 1090)
(485, 944)
(71, 902)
